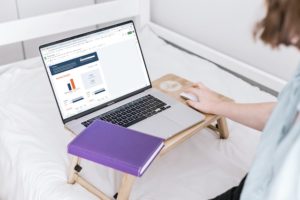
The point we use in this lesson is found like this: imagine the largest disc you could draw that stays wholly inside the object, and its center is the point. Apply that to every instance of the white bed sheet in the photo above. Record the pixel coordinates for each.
(33, 158)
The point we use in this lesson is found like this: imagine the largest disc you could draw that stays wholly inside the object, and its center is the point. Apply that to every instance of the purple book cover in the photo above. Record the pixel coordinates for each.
(116, 147)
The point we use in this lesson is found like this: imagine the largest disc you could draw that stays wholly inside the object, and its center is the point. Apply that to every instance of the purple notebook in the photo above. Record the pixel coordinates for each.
(117, 147)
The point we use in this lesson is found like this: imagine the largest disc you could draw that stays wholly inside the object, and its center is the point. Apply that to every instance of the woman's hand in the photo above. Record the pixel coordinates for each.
(253, 115)
(209, 101)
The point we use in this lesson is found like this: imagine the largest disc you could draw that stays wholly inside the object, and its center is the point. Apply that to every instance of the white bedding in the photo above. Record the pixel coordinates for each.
(33, 158)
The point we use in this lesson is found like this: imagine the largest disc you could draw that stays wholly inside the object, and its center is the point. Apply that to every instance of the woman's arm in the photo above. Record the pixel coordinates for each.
(252, 115)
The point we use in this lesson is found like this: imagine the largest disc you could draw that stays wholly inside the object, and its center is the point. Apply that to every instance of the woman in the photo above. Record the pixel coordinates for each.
(275, 173)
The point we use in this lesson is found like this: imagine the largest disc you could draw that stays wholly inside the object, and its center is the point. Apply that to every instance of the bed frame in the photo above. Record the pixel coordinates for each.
(44, 25)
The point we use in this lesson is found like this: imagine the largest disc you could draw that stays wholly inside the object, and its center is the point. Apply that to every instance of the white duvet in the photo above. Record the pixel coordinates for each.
(33, 142)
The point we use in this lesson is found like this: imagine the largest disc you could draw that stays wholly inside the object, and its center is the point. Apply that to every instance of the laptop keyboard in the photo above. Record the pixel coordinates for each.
(132, 112)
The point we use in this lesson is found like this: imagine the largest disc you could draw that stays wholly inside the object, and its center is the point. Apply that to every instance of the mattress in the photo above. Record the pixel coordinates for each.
(33, 158)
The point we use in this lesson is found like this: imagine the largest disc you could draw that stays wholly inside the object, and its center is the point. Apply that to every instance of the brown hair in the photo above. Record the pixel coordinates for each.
(281, 25)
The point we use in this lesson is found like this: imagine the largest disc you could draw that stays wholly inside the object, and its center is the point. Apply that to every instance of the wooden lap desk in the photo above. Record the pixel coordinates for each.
(171, 85)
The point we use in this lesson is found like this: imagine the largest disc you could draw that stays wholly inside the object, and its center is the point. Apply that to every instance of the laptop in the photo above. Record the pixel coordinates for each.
(102, 75)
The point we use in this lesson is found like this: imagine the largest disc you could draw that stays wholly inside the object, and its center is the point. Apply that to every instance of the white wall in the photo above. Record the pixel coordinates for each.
(9, 53)
(14, 9)
(29, 8)
(226, 26)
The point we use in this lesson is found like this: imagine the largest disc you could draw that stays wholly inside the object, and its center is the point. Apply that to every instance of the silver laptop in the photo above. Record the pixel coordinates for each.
(102, 75)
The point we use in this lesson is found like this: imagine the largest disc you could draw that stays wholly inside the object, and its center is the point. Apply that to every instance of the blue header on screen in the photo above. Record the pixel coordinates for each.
(73, 63)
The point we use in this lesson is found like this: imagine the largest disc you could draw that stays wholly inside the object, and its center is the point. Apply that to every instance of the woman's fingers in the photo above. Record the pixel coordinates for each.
(198, 85)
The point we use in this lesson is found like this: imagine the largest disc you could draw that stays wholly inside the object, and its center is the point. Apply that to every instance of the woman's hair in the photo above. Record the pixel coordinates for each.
(281, 25)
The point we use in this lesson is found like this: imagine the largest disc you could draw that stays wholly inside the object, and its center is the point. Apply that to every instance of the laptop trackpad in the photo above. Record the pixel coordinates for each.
(158, 125)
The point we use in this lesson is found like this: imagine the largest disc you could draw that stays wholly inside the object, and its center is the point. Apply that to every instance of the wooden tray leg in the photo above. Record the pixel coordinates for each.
(73, 172)
(126, 186)
(223, 128)
(75, 177)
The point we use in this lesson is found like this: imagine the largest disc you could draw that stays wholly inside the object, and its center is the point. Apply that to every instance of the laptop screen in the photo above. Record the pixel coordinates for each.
(93, 69)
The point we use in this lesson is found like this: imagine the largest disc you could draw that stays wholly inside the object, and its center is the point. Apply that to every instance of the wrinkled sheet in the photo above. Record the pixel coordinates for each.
(33, 159)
